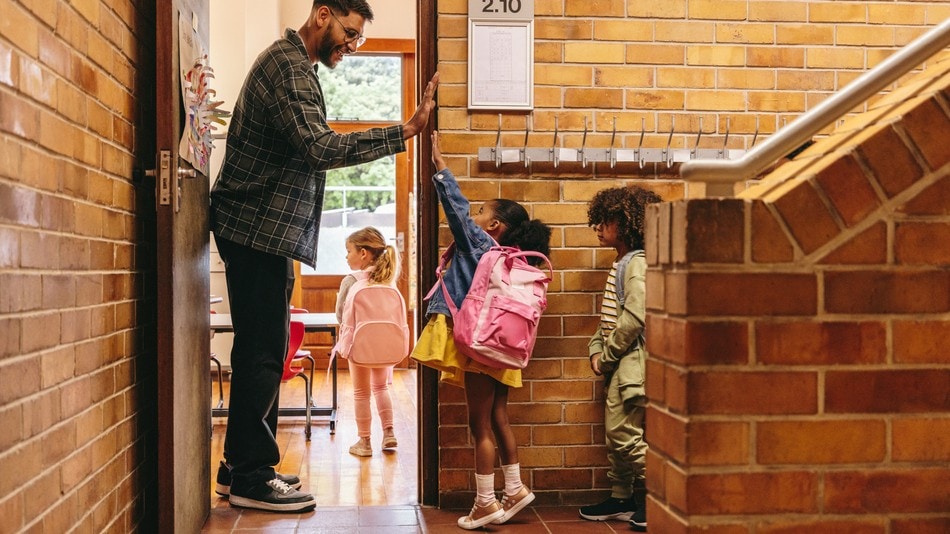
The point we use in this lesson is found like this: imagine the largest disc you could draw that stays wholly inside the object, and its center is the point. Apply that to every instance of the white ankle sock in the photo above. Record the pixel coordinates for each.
(484, 489)
(512, 478)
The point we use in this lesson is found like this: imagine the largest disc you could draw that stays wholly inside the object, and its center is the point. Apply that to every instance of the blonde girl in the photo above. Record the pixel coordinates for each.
(373, 262)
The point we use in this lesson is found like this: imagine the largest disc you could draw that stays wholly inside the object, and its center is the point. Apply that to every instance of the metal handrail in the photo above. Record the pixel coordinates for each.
(803, 128)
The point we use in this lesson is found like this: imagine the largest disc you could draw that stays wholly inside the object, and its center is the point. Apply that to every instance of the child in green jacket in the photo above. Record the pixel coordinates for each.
(617, 350)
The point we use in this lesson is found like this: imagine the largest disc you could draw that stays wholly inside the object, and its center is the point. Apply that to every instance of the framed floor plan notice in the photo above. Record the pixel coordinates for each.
(501, 64)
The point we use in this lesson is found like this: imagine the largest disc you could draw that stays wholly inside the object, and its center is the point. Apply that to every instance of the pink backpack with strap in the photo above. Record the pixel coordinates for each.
(377, 334)
(498, 322)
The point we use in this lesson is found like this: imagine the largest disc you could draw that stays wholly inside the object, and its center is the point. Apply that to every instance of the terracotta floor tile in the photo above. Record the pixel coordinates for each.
(371, 495)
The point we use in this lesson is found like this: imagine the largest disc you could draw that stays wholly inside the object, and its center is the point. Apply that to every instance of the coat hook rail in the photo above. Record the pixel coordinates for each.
(557, 154)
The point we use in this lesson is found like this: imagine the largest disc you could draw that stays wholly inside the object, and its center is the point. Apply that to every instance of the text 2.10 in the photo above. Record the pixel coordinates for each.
(507, 6)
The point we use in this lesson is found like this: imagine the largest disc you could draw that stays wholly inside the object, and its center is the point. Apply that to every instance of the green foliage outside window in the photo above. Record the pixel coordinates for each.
(363, 88)
(378, 173)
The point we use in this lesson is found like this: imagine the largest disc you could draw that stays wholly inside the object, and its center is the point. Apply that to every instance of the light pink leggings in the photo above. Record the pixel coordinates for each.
(366, 380)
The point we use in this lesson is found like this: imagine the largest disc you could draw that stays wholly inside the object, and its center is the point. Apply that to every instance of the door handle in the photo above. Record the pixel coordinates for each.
(164, 184)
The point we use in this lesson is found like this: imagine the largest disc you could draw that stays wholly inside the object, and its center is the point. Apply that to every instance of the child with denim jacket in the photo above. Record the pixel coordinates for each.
(617, 349)
(504, 222)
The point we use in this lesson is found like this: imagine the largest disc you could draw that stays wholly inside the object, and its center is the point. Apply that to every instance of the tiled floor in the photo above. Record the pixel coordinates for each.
(352, 493)
(530, 520)
(364, 495)
(401, 520)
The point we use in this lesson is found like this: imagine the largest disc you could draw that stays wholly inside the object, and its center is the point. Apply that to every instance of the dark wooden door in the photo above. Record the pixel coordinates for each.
(184, 386)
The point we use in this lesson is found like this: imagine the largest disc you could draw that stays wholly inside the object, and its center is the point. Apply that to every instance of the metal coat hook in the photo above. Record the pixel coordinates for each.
(611, 154)
(699, 135)
(756, 134)
(639, 152)
(667, 153)
(583, 145)
(524, 151)
(554, 153)
(722, 151)
(498, 144)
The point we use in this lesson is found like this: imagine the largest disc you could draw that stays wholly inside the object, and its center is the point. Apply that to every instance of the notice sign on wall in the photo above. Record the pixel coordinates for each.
(501, 54)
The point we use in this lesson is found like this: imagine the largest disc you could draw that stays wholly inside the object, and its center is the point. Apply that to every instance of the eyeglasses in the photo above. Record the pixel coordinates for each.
(351, 34)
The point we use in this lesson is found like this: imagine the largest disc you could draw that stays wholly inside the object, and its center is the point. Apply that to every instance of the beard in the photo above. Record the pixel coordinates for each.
(329, 52)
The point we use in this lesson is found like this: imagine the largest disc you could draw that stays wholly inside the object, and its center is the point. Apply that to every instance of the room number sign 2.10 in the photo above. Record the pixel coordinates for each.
(501, 9)
(501, 54)
(503, 6)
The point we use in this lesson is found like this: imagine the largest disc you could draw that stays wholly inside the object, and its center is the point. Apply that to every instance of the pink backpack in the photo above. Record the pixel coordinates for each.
(377, 334)
(498, 322)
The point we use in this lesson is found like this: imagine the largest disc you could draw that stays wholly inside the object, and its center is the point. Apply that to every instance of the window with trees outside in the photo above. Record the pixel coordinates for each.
(362, 92)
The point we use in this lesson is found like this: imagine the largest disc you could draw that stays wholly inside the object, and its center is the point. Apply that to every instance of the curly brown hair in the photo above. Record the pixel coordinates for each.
(626, 206)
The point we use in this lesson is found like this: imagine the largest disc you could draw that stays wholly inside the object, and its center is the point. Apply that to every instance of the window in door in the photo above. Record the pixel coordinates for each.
(374, 88)
(364, 91)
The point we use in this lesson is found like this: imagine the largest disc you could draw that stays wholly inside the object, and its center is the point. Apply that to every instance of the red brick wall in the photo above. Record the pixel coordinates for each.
(800, 368)
(77, 347)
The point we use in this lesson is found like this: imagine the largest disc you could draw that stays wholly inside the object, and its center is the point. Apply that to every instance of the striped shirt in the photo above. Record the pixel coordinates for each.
(269, 191)
(608, 308)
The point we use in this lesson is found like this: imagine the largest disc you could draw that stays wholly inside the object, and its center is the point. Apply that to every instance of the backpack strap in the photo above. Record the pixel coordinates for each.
(621, 276)
(619, 281)
(439, 271)
(518, 253)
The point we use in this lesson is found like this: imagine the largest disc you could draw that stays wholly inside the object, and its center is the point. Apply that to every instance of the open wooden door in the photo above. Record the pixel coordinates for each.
(184, 386)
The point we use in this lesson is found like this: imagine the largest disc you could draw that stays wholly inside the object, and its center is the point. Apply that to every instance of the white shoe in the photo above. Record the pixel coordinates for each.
(512, 504)
(481, 516)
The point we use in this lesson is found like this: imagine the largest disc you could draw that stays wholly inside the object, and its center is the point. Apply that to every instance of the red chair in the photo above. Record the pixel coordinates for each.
(291, 370)
(303, 354)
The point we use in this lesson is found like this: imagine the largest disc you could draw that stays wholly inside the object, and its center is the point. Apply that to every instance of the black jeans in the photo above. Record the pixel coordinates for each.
(259, 290)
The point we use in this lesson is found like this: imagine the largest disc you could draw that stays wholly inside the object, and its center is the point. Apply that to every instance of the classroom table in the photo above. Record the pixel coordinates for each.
(312, 322)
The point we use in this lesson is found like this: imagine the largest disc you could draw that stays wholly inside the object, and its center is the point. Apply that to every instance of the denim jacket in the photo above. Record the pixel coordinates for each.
(471, 242)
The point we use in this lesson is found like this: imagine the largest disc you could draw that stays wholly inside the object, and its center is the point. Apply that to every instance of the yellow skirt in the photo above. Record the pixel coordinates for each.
(436, 348)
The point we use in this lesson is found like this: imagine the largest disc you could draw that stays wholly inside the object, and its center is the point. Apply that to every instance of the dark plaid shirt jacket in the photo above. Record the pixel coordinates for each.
(269, 191)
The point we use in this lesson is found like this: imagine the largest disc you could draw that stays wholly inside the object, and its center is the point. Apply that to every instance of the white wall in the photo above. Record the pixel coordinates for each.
(240, 29)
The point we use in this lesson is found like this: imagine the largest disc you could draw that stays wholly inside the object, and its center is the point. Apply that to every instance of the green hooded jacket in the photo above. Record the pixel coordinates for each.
(624, 350)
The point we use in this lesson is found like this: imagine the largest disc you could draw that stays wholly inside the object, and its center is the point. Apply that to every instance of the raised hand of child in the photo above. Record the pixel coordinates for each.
(437, 152)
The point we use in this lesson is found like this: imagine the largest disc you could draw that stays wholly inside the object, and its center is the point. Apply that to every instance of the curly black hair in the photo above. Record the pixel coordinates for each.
(625, 205)
(522, 231)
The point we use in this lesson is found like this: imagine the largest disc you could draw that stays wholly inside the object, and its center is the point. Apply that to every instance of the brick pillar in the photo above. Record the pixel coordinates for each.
(793, 391)
(799, 372)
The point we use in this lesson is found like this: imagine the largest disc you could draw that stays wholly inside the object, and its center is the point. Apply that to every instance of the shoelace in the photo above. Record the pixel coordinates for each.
(280, 486)
(505, 499)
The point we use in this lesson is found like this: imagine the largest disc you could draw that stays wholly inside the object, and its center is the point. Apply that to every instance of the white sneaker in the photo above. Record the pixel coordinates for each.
(512, 504)
(481, 516)
(361, 448)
